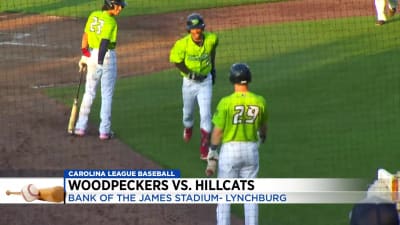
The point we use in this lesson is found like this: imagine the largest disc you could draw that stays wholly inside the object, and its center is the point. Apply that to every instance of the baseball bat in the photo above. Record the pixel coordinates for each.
(74, 110)
(53, 194)
(8, 192)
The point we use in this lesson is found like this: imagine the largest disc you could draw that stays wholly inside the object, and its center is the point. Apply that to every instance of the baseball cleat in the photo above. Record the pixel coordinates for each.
(106, 136)
(79, 133)
(187, 134)
(203, 152)
(205, 140)
(391, 12)
(380, 23)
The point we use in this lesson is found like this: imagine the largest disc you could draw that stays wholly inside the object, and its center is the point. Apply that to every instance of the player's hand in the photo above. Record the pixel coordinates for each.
(212, 155)
(83, 64)
(99, 72)
(213, 75)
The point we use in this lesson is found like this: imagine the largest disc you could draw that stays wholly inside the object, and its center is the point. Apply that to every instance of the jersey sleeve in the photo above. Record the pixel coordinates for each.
(88, 22)
(178, 52)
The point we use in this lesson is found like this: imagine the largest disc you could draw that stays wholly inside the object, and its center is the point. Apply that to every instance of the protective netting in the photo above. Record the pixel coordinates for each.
(328, 72)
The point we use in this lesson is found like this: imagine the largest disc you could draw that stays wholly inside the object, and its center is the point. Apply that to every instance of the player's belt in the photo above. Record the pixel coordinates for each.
(197, 77)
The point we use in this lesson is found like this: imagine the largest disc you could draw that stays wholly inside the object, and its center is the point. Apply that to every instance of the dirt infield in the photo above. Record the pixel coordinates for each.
(39, 51)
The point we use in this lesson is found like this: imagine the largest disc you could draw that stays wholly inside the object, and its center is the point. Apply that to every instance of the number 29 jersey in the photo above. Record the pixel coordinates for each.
(240, 115)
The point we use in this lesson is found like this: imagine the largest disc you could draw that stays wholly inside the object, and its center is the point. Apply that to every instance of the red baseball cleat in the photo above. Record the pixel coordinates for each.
(187, 134)
(205, 140)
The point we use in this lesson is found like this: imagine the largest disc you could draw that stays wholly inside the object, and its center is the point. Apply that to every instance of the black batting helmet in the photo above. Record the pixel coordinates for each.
(240, 74)
(110, 3)
(194, 21)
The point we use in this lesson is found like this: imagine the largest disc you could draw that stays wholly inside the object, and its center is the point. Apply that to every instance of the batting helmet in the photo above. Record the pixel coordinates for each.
(240, 74)
(194, 21)
(110, 3)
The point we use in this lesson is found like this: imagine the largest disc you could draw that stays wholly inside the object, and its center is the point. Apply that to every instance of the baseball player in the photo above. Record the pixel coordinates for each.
(380, 6)
(98, 53)
(194, 56)
(240, 124)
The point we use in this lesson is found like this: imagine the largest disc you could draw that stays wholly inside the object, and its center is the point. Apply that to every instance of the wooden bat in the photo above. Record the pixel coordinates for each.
(8, 192)
(74, 110)
(53, 194)
(72, 117)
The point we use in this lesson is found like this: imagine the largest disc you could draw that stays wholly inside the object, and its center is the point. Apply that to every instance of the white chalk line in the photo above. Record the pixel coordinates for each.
(40, 86)
(22, 44)
(19, 36)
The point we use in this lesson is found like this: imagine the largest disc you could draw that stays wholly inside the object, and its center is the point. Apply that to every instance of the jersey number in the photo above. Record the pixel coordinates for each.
(251, 114)
(96, 25)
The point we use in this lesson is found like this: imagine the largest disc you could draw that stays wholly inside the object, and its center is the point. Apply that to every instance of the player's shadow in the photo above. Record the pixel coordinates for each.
(394, 19)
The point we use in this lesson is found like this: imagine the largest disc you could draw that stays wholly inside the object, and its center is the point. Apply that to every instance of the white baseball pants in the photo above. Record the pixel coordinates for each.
(200, 92)
(238, 160)
(107, 81)
(380, 6)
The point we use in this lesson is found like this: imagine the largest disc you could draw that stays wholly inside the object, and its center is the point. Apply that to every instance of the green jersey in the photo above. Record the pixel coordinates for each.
(101, 25)
(240, 115)
(196, 58)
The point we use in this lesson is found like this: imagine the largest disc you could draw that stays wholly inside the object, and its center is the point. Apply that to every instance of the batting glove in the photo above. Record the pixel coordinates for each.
(83, 64)
(99, 72)
(212, 155)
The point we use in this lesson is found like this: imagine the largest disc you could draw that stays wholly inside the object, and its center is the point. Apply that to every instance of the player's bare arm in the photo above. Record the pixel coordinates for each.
(216, 136)
(182, 67)
(85, 53)
(85, 42)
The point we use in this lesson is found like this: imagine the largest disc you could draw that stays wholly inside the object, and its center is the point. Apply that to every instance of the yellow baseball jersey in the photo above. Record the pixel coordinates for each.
(196, 58)
(240, 115)
(101, 25)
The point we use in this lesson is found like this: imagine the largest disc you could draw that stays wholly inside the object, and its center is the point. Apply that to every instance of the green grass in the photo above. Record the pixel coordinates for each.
(333, 93)
(79, 8)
